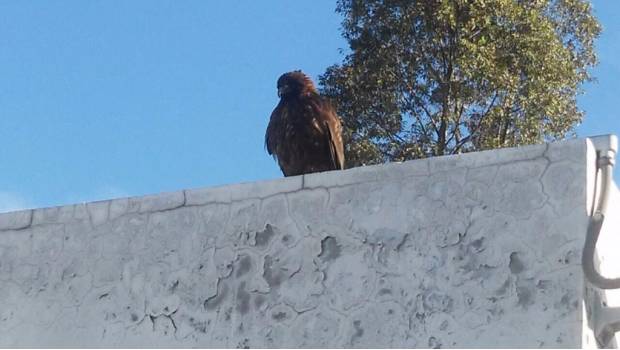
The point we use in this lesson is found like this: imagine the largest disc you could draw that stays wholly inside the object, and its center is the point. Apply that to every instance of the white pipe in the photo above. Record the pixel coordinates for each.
(605, 166)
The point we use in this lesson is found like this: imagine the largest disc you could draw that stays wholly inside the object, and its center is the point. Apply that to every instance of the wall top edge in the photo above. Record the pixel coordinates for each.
(259, 190)
(603, 143)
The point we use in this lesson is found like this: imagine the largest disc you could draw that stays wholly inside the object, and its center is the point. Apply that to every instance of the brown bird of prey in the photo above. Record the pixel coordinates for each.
(304, 133)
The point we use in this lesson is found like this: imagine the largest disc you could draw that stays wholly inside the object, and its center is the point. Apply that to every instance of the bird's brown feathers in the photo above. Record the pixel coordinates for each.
(304, 133)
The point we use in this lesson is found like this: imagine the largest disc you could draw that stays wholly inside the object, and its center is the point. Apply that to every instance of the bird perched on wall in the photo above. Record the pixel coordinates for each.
(304, 133)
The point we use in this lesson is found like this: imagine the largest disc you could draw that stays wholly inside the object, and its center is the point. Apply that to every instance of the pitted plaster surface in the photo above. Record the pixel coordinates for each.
(474, 250)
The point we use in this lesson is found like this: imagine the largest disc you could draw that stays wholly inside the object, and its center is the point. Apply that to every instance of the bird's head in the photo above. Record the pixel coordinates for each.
(293, 84)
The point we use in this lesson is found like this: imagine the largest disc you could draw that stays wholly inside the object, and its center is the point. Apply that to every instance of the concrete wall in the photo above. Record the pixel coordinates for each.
(474, 250)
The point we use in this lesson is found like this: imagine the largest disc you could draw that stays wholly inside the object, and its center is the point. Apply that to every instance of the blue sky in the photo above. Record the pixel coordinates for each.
(103, 99)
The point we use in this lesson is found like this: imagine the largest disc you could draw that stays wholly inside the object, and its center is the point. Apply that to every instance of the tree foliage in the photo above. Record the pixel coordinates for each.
(434, 77)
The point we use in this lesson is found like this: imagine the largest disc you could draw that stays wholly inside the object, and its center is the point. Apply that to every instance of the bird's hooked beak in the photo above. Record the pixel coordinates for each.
(282, 90)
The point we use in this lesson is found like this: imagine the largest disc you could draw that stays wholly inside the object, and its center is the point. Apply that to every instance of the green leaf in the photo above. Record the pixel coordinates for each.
(432, 77)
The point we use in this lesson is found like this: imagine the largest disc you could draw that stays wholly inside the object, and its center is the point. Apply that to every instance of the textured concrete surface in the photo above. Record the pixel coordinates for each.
(475, 250)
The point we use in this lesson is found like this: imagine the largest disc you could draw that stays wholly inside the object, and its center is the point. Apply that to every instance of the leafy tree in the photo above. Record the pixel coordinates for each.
(433, 77)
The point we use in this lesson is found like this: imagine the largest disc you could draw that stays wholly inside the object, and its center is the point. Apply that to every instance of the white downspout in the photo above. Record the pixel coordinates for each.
(606, 320)
(606, 148)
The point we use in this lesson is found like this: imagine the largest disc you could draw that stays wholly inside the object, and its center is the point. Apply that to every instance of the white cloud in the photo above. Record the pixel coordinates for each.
(97, 194)
(12, 202)
(109, 192)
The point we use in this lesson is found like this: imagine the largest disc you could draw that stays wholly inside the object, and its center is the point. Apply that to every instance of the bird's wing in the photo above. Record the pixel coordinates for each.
(333, 133)
(274, 121)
